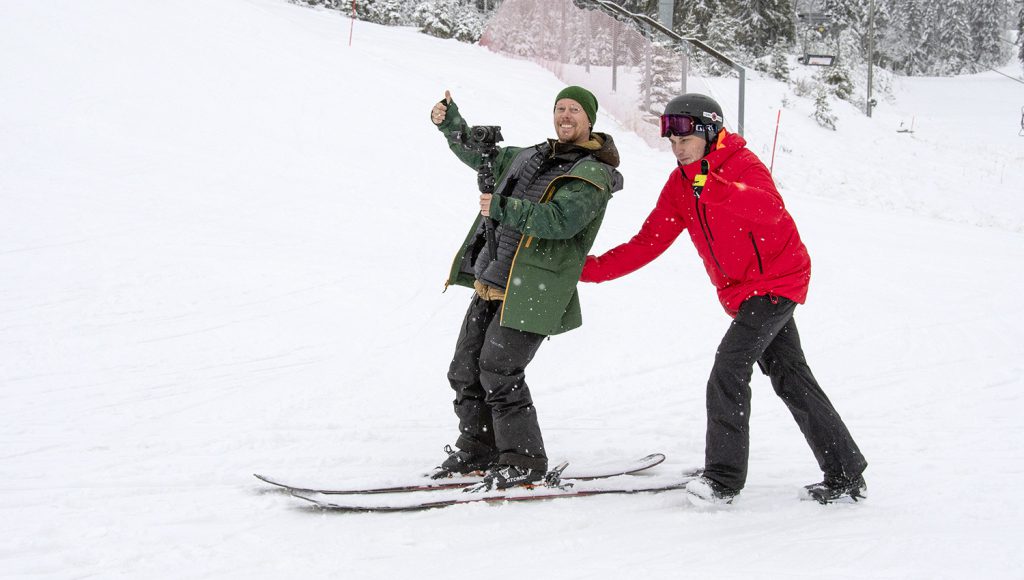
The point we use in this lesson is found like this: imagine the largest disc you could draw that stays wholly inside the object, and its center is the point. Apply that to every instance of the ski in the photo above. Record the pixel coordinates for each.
(611, 469)
(419, 501)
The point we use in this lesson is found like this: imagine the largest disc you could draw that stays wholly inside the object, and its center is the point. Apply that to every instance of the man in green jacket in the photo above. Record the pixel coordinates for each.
(548, 203)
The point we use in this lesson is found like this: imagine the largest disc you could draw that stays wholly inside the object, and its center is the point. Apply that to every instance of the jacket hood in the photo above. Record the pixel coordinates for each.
(725, 147)
(601, 145)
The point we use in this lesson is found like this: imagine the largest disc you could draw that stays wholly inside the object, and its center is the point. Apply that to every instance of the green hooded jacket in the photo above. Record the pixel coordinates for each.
(558, 232)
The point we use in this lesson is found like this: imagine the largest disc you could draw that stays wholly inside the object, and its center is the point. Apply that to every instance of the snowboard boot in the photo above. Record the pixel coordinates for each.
(506, 476)
(705, 492)
(461, 463)
(836, 489)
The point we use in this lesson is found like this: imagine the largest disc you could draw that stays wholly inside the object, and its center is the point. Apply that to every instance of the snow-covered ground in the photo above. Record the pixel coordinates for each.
(223, 239)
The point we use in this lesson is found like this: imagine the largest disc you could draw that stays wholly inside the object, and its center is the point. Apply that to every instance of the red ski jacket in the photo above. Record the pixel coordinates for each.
(738, 223)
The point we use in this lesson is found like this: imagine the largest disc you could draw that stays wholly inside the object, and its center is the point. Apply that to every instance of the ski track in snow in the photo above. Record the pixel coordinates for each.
(223, 239)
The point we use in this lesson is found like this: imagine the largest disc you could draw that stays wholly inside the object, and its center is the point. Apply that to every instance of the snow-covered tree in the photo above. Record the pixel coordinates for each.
(764, 23)
(333, 4)
(449, 19)
(515, 27)
(778, 65)
(904, 43)
(987, 22)
(921, 37)
(837, 80)
(712, 22)
(694, 18)
(387, 12)
(823, 114)
(948, 42)
(662, 83)
(1020, 34)
(486, 6)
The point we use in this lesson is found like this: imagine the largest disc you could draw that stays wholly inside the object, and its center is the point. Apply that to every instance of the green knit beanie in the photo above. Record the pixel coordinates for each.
(585, 98)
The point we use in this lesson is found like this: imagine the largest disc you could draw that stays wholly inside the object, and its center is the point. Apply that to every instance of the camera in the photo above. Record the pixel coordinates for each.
(481, 138)
(485, 134)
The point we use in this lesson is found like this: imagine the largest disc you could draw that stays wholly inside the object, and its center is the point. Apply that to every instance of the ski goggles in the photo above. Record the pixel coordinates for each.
(682, 125)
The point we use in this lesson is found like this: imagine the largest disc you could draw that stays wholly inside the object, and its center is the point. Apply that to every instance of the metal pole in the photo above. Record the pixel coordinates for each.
(563, 56)
(665, 16)
(648, 77)
(686, 68)
(743, 100)
(352, 25)
(871, 52)
(665, 8)
(775, 141)
(615, 55)
(590, 32)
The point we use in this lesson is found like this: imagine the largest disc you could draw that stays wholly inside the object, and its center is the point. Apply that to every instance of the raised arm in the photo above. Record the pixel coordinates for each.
(445, 115)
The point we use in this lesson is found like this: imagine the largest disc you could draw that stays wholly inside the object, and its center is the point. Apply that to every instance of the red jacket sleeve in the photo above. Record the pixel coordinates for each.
(661, 228)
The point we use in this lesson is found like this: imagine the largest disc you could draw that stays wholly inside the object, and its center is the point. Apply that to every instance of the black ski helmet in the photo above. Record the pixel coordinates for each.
(704, 109)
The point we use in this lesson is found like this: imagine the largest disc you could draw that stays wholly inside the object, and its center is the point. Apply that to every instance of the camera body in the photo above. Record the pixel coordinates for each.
(482, 139)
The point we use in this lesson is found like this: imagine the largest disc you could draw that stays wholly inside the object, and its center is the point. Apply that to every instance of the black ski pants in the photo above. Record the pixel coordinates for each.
(764, 332)
(492, 401)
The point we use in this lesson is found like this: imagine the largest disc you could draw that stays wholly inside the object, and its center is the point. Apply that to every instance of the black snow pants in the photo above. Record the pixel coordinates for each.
(764, 331)
(492, 401)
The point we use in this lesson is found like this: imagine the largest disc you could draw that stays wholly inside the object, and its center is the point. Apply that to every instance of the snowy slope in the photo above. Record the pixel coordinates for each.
(203, 207)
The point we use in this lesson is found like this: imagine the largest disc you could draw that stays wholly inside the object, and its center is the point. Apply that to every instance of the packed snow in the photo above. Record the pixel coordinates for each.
(224, 234)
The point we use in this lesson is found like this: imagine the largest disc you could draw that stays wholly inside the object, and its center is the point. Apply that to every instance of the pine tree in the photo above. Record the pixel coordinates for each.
(778, 66)
(386, 12)
(986, 21)
(822, 110)
(332, 4)
(903, 37)
(647, 7)
(855, 26)
(662, 84)
(837, 79)
(712, 22)
(764, 23)
(515, 25)
(449, 19)
(1020, 34)
(693, 19)
(949, 41)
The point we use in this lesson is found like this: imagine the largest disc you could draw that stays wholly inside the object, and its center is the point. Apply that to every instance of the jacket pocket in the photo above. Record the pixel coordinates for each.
(753, 242)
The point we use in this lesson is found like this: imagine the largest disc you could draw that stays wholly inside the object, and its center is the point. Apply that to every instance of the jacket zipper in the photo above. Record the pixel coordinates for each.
(525, 242)
(708, 238)
(712, 235)
(760, 265)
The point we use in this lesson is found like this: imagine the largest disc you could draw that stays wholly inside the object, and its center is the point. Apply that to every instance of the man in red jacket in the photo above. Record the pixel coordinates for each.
(726, 199)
